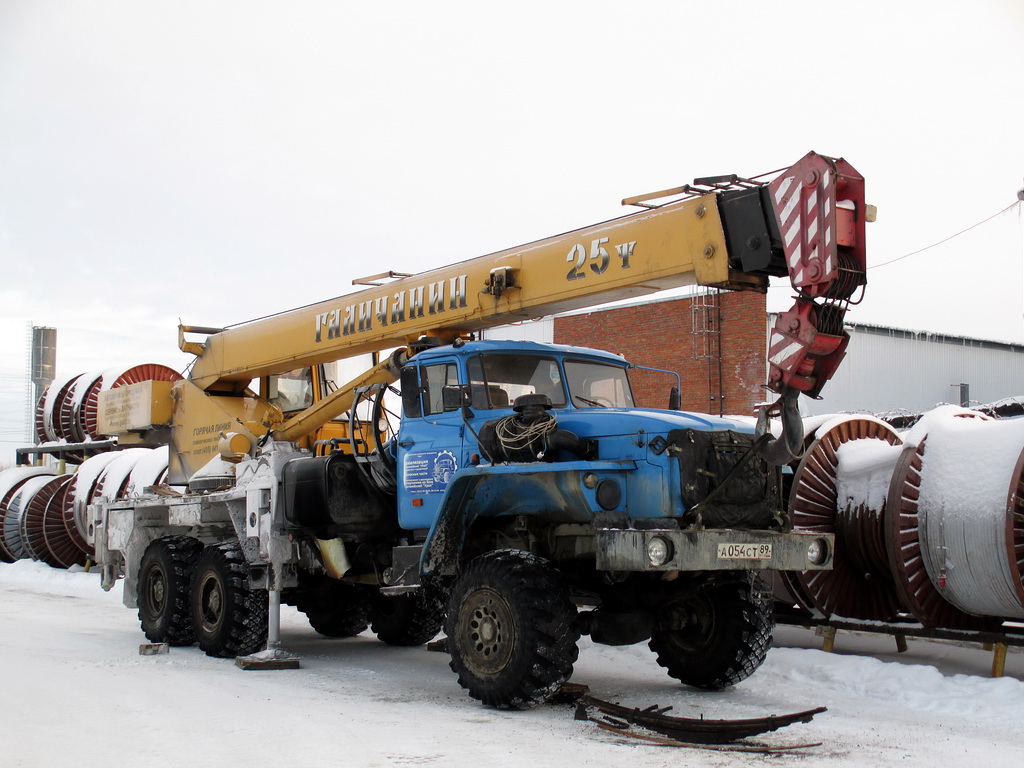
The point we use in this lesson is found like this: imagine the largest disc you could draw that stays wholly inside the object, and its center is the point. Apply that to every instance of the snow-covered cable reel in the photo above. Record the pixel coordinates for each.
(962, 510)
(11, 481)
(113, 378)
(107, 475)
(42, 526)
(19, 540)
(31, 518)
(932, 529)
(43, 514)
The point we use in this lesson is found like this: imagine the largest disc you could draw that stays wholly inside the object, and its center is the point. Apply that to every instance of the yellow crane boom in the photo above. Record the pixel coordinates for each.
(652, 250)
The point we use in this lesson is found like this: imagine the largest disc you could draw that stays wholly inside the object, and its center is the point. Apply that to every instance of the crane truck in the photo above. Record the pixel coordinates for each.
(508, 492)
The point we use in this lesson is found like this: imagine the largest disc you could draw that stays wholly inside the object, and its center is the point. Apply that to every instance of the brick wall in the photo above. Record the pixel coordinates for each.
(662, 335)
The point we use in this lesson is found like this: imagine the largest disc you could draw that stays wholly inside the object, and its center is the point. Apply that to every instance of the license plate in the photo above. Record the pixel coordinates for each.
(744, 551)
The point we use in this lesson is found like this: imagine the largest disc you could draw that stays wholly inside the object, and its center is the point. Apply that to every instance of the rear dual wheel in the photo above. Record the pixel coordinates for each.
(188, 594)
(410, 619)
(334, 608)
(165, 578)
(229, 618)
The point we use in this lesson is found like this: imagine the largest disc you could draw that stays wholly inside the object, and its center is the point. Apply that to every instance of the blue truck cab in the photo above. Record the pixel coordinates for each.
(506, 441)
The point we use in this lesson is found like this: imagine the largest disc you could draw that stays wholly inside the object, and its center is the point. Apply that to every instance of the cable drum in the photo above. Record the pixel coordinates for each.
(970, 514)
(863, 473)
(113, 480)
(149, 470)
(71, 410)
(11, 481)
(39, 419)
(18, 538)
(62, 550)
(840, 487)
(32, 526)
(80, 494)
(903, 541)
(53, 400)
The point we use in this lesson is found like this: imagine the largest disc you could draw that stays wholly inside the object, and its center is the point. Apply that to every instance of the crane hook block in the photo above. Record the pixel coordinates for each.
(806, 347)
(819, 203)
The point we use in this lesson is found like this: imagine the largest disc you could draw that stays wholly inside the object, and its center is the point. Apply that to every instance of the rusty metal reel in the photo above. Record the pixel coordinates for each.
(860, 584)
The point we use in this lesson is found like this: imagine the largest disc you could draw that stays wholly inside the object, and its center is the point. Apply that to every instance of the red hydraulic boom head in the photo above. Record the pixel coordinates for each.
(820, 207)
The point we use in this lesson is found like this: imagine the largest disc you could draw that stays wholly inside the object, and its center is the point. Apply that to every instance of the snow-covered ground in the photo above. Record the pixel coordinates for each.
(74, 690)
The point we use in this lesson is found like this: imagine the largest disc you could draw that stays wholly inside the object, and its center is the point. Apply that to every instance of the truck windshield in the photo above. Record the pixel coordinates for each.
(597, 385)
(498, 379)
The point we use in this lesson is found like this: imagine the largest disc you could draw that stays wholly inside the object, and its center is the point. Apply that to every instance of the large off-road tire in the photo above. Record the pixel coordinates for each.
(511, 629)
(165, 577)
(718, 637)
(229, 619)
(411, 619)
(333, 608)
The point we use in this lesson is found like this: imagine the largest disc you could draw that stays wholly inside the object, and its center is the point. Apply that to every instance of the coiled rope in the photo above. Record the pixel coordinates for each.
(513, 435)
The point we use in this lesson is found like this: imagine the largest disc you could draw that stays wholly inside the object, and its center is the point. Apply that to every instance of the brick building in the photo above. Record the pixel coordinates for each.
(716, 341)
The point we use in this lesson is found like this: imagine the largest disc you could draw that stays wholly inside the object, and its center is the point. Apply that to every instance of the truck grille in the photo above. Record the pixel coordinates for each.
(721, 486)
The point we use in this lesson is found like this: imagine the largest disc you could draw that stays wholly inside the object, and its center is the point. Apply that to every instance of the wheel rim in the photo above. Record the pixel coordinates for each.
(155, 592)
(211, 602)
(488, 632)
(696, 624)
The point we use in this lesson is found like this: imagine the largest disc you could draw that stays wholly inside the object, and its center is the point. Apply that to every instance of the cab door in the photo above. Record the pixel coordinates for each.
(430, 445)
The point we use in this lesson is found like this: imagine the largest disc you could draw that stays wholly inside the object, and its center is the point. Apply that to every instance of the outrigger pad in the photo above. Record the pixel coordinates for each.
(275, 658)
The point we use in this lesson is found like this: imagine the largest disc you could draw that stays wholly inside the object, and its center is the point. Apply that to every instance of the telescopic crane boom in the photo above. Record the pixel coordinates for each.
(726, 232)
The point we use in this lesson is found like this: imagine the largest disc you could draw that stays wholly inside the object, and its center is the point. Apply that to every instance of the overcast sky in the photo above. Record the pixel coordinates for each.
(218, 161)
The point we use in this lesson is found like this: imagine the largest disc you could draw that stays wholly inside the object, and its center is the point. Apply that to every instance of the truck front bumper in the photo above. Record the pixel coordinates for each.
(712, 550)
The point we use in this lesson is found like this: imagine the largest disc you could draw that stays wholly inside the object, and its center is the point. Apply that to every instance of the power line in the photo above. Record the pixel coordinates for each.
(945, 240)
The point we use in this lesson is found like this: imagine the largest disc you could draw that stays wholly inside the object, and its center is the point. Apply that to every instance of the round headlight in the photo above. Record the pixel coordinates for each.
(659, 551)
(817, 551)
(609, 494)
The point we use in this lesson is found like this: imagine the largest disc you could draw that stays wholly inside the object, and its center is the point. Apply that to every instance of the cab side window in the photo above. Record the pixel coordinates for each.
(434, 378)
(291, 391)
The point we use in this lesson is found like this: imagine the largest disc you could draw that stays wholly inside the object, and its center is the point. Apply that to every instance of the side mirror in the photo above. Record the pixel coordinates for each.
(455, 396)
(675, 401)
(410, 382)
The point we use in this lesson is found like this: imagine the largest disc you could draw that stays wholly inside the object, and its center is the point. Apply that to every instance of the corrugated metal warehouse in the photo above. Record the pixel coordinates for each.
(891, 369)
